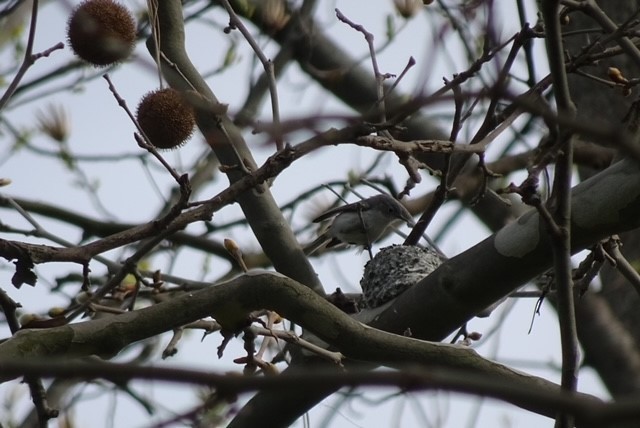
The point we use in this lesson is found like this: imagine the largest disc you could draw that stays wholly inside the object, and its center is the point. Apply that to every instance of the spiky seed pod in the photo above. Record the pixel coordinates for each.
(166, 118)
(101, 32)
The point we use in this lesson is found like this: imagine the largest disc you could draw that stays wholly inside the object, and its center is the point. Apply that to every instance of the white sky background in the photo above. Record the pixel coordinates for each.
(99, 126)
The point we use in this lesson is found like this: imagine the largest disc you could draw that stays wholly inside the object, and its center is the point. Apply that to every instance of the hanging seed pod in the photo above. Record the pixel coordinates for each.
(101, 32)
(166, 118)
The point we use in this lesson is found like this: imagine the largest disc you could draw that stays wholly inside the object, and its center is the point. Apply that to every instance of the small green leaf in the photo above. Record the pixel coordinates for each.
(391, 27)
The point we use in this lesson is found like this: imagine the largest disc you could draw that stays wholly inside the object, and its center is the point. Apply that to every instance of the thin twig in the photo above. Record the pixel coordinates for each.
(612, 248)
(152, 7)
(267, 64)
(42, 232)
(562, 211)
(142, 141)
(291, 337)
(29, 57)
(379, 77)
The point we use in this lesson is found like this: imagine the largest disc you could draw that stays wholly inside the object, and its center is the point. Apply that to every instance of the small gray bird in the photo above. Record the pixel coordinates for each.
(360, 223)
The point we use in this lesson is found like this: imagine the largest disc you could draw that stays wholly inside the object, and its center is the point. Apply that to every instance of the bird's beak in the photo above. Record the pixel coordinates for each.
(407, 217)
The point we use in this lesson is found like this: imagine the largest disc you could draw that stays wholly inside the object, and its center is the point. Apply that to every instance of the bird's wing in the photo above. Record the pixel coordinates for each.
(360, 205)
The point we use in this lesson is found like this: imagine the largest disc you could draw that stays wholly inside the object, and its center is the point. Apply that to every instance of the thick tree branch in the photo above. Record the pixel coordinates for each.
(591, 412)
(231, 302)
(470, 282)
(265, 218)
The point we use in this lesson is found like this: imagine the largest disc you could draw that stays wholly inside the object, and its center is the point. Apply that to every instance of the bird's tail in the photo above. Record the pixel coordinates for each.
(316, 244)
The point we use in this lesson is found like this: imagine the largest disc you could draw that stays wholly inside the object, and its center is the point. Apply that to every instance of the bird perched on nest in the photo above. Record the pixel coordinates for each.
(360, 223)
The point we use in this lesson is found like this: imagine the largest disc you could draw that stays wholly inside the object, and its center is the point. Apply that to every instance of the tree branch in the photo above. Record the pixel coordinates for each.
(231, 302)
(265, 218)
